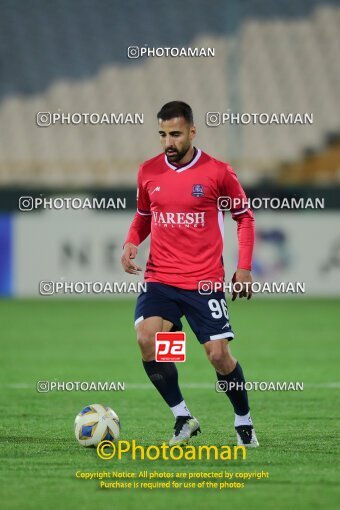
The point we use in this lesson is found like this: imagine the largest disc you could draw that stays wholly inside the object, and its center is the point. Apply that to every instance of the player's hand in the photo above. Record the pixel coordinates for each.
(129, 253)
(245, 278)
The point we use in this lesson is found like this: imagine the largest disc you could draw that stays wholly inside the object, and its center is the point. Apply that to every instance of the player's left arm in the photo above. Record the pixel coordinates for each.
(242, 214)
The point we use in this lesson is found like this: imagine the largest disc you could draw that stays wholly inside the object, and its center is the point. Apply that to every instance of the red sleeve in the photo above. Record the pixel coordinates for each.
(141, 225)
(242, 214)
(246, 237)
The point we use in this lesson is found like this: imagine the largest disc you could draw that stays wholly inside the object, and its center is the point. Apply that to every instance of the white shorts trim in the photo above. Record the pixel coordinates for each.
(222, 335)
(140, 319)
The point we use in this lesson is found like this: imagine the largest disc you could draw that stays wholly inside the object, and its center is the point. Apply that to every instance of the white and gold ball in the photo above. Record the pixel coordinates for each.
(96, 423)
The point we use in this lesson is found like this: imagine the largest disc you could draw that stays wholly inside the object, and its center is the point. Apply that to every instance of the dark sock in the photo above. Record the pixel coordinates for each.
(237, 397)
(164, 377)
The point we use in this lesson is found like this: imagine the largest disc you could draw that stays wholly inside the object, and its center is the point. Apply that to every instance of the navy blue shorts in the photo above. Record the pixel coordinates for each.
(207, 315)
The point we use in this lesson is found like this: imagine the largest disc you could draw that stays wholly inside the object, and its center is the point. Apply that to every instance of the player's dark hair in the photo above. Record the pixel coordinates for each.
(176, 109)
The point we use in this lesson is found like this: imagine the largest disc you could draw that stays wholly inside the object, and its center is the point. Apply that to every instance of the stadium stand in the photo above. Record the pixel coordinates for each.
(318, 168)
(71, 57)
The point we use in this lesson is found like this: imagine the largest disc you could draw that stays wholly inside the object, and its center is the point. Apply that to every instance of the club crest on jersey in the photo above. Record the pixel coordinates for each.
(197, 190)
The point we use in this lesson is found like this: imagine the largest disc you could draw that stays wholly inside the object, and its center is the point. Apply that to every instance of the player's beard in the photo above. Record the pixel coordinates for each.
(176, 158)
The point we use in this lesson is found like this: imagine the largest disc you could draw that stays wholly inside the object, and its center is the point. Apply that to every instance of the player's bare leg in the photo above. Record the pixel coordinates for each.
(231, 381)
(219, 355)
(146, 331)
(164, 377)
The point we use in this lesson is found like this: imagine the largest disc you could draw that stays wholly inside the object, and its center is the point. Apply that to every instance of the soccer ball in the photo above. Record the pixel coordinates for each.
(96, 423)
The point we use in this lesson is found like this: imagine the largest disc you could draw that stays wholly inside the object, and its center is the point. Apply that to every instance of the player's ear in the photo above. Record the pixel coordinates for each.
(192, 132)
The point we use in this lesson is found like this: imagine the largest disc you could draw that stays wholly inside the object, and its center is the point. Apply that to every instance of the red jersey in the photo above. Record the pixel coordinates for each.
(179, 206)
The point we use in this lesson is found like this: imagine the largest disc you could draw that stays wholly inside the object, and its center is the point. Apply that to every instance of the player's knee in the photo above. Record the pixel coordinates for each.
(145, 338)
(216, 356)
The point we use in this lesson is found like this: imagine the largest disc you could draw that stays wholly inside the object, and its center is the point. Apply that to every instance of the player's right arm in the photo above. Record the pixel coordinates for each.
(139, 230)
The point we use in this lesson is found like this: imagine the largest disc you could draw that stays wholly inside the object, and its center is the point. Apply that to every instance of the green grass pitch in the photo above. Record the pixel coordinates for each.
(85, 340)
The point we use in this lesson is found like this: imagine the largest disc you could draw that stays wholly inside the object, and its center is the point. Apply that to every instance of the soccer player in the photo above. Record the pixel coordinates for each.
(178, 193)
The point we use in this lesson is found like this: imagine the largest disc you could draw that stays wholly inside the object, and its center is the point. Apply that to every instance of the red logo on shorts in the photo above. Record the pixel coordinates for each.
(170, 346)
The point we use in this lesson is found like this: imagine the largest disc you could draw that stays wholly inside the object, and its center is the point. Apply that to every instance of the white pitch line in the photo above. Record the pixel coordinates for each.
(149, 386)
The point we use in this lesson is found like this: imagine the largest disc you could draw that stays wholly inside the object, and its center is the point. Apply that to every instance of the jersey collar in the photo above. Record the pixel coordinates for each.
(185, 167)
